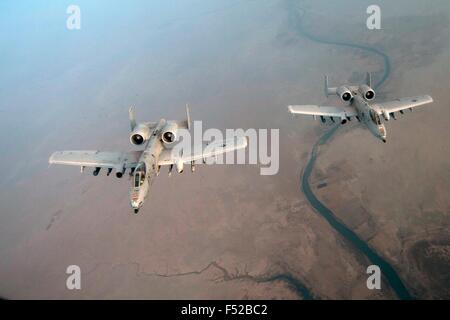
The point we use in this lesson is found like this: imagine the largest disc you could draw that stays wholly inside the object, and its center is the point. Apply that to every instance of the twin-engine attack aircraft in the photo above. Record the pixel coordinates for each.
(358, 98)
(159, 138)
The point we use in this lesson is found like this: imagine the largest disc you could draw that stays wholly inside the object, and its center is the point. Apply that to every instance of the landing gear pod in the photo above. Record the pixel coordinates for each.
(119, 174)
(180, 166)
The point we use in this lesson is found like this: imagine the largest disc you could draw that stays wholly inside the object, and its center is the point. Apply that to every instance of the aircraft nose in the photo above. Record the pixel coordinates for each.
(382, 131)
(134, 204)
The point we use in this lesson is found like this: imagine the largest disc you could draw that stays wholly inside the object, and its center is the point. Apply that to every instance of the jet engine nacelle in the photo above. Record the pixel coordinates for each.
(344, 93)
(180, 166)
(169, 134)
(140, 134)
(367, 92)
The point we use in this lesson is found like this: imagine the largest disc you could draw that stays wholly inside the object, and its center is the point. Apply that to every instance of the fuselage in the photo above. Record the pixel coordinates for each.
(369, 117)
(147, 168)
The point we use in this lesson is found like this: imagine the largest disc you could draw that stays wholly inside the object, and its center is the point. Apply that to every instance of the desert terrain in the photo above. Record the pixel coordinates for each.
(224, 232)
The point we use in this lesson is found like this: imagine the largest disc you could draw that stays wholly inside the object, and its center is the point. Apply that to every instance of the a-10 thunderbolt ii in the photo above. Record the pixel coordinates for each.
(359, 99)
(158, 139)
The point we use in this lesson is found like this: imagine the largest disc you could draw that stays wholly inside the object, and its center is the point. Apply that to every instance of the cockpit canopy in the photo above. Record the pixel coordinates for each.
(139, 175)
(375, 117)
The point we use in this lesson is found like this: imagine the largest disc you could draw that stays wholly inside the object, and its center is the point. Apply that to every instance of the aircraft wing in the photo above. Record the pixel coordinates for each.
(167, 157)
(117, 160)
(312, 110)
(402, 104)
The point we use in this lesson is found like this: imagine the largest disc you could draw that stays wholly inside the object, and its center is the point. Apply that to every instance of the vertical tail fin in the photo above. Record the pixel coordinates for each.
(132, 118)
(369, 79)
(188, 117)
(326, 85)
(328, 89)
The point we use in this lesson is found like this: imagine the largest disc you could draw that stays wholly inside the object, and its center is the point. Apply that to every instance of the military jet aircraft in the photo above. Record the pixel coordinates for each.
(158, 140)
(360, 106)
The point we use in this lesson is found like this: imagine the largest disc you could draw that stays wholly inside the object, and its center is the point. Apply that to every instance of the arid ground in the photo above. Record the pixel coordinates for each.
(224, 232)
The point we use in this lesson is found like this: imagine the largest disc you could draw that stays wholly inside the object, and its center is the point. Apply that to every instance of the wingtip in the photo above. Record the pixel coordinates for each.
(50, 159)
(290, 109)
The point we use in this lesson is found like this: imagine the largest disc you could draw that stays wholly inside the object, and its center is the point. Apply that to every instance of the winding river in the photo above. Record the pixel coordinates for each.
(389, 273)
